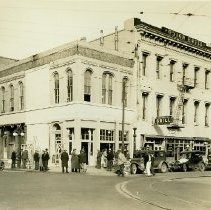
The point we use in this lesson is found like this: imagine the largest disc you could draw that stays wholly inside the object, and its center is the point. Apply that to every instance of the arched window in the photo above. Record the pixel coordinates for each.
(87, 85)
(3, 99)
(107, 88)
(56, 87)
(69, 85)
(21, 95)
(11, 97)
(125, 90)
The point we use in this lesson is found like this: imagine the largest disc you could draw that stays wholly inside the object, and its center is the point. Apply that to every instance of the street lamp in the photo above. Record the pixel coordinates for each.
(18, 134)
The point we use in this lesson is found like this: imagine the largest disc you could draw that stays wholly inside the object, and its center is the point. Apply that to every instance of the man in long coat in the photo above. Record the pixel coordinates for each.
(64, 159)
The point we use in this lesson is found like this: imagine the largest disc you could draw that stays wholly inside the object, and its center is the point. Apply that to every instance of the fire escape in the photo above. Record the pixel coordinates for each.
(183, 86)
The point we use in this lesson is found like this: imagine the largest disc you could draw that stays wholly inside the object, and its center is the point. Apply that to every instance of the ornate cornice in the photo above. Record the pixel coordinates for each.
(173, 38)
(76, 49)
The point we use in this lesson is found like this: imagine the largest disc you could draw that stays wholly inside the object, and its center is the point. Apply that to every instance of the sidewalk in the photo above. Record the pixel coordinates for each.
(91, 170)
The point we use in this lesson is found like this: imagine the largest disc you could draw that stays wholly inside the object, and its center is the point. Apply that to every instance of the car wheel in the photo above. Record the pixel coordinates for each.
(164, 168)
(133, 169)
(184, 167)
(201, 166)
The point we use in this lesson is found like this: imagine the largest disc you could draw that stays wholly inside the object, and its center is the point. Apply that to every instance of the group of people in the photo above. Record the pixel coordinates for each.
(78, 161)
(105, 159)
(40, 159)
(110, 159)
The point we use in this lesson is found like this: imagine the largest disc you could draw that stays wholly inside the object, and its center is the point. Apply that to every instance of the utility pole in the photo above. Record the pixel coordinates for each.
(123, 112)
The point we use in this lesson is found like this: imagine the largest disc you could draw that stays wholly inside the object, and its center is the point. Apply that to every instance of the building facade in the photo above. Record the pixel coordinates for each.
(71, 96)
(66, 98)
(173, 83)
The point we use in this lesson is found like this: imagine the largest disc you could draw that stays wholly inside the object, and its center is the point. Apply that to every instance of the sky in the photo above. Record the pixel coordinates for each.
(29, 27)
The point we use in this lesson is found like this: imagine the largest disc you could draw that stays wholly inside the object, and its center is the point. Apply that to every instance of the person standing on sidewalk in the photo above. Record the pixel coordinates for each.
(36, 159)
(13, 157)
(24, 158)
(45, 158)
(64, 159)
(120, 162)
(99, 155)
(83, 160)
(110, 158)
(75, 161)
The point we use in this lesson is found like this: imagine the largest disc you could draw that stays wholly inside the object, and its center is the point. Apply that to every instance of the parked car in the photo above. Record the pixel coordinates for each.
(190, 160)
(137, 162)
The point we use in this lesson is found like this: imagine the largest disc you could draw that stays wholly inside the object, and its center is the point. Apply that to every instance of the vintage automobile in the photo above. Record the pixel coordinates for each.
(190, 160)
(137, 162)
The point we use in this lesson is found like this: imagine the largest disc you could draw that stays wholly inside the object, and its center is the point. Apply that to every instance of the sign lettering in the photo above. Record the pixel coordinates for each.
(163, 120)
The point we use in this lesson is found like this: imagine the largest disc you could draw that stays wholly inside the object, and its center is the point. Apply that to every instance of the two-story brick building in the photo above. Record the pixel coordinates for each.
(68, 97)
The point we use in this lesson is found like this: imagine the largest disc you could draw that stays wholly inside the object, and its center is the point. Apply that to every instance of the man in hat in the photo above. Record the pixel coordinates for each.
(147, 161)
(36, 160)
(64, 159)
(110, 158)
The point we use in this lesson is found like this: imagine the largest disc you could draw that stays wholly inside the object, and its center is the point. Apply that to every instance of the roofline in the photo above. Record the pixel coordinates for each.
(66, 50)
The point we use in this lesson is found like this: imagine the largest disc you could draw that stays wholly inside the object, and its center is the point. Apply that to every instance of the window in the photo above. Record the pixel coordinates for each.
(184, 67)
(87, 85)
(144, 63)
(196, 110)
(56, 87)
(207, 108)
(58, 139)
(69, 85)
(172, 66)
(3, 100)
(70, 137)
(158, 66)
(106, 135)
(144, 105)
(107, 88)
(207, 74)
(125, 90)
(86, 134)
(184, 107)
(158, 104)
(11, 98)
(171, 106)
(126, 136)
(196, 76)
(21, 102)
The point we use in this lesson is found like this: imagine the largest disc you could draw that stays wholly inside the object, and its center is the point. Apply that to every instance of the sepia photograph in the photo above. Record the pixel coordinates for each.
(105, 105)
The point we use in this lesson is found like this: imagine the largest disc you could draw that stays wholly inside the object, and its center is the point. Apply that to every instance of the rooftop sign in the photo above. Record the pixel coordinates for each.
(183, 37)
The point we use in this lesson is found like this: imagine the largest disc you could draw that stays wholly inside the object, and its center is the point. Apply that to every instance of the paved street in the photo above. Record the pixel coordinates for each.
(36, 190)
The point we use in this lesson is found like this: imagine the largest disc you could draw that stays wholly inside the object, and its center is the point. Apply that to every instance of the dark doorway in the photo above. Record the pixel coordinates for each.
(85, 146)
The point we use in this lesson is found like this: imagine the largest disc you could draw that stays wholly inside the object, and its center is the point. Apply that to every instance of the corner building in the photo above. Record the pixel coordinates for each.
(65, 98)
(173, 85)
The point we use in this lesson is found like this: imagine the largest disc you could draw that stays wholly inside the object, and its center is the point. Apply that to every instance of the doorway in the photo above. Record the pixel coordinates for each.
(85, 145)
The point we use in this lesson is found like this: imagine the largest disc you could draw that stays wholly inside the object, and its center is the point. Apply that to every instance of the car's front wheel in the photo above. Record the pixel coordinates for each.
(133, 168)
(201, 166)
(164, 168)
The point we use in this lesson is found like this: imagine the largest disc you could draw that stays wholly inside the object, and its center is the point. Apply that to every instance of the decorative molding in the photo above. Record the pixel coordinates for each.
(54, 65)
(9, 79)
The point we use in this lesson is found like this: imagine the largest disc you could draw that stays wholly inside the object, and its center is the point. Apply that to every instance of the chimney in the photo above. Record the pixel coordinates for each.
(130, 23)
